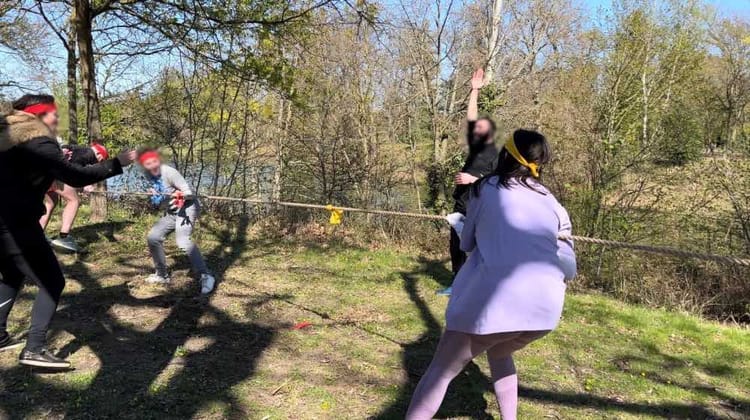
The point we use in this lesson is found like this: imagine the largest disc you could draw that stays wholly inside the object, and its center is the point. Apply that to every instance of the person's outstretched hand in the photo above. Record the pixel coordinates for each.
(463, 178)
(126, 157)
(477, 80)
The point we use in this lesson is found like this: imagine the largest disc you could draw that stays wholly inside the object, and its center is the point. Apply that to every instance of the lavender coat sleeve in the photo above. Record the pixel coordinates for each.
(565, 250)
(468, 235)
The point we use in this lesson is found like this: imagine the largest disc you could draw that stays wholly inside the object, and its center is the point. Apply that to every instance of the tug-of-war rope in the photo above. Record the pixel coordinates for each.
(337, 213)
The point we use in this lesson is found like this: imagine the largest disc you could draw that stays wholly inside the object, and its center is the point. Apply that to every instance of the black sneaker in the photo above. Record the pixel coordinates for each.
(7, 342)
(43, 359)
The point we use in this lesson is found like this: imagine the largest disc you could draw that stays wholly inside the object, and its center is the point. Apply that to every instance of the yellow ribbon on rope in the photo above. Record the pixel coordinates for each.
(510, 146)
(336, 214)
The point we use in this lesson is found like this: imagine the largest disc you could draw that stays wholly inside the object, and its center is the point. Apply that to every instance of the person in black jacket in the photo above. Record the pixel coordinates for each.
(30, 159)
(81, 156)
(481, 161)
(85, 155)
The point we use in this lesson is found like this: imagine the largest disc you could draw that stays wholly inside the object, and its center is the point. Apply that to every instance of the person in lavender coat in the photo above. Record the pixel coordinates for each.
(511, 290)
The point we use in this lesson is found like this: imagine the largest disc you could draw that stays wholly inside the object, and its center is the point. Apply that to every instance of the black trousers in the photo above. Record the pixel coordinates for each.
(25, 254)
(458, 257)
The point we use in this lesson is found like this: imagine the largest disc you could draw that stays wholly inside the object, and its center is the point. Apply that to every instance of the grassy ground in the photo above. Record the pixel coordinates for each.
(146, 352)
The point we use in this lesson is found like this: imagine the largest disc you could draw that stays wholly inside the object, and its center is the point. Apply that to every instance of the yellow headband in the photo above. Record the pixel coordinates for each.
(510, 146)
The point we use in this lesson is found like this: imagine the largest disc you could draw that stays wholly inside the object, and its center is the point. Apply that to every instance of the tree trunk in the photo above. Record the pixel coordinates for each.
(283, 123)
(83, 17)
(72, 84)
(493, 38)
(413, 163)
(645, 89)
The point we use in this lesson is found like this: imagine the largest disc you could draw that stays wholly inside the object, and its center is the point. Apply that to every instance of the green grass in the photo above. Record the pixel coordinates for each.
(144, 352)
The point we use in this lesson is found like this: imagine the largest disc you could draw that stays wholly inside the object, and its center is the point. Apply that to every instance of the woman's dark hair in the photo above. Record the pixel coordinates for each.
(28, 100)
(533, 146)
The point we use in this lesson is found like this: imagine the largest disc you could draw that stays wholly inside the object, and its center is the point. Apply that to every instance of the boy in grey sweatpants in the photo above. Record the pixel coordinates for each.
(180, 217)
(181, 223)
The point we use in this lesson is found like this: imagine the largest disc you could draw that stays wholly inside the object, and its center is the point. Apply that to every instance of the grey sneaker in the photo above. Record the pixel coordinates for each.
(67, 243)
(157, 279)
(43, 358)
(207, 283)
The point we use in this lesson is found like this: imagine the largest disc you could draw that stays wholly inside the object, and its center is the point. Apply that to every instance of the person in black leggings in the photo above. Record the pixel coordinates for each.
(31, 257)
(30, 159)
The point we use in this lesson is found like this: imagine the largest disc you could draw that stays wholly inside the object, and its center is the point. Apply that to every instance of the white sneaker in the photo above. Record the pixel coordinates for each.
(207, 283)
(157, 279)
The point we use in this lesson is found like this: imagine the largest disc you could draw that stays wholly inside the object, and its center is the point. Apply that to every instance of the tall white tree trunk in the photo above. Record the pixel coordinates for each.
(493, 39)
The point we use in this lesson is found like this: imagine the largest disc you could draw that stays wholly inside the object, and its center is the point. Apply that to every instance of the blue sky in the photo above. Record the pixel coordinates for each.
(725, 7)
(733, 6)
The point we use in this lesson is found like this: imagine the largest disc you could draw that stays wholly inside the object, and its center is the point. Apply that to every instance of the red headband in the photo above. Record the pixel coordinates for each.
(100, 149)
(146, 156)
(39, 109)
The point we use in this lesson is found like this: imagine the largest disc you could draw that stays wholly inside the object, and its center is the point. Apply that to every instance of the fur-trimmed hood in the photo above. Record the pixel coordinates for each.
(20, 127)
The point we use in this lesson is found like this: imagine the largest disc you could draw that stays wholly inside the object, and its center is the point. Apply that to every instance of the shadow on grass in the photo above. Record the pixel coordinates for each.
(657, 363)
(587, 401)
(91, 232)
(465, 397)
(186, 360)
(190, 360)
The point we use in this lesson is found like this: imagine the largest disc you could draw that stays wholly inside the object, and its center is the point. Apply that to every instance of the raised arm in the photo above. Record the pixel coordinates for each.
(472, 115)
(477, 82)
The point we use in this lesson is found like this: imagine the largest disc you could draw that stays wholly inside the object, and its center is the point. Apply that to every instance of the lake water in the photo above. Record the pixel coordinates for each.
(134, 180)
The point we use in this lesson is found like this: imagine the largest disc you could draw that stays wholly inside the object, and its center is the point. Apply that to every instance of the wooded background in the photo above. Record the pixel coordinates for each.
(363, 104)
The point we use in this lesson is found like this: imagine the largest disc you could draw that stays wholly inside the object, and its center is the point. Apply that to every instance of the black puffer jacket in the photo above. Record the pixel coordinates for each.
(79, 155)
(30, 159)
